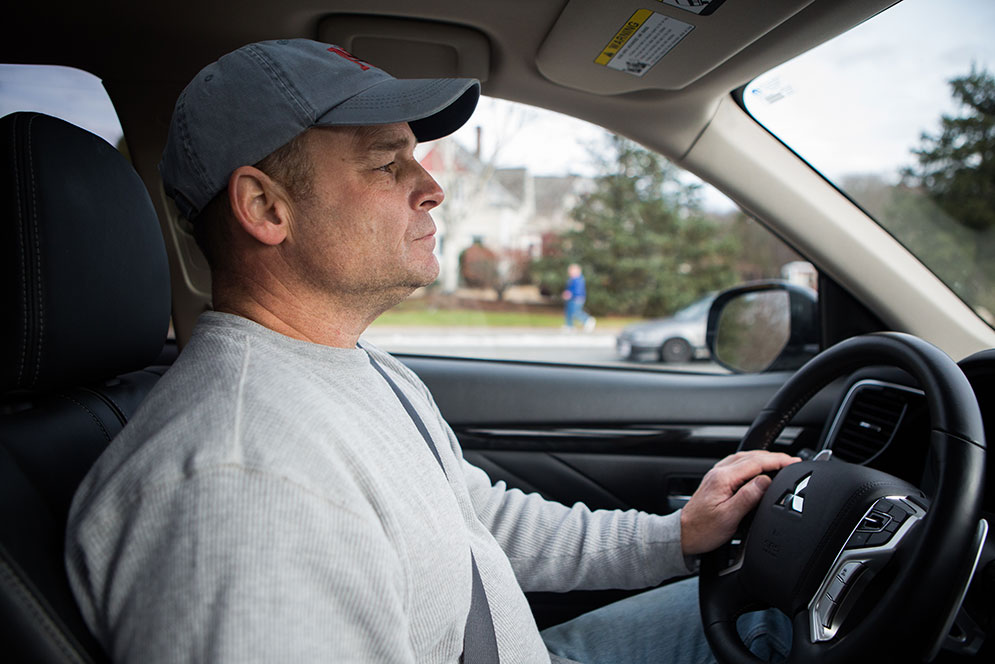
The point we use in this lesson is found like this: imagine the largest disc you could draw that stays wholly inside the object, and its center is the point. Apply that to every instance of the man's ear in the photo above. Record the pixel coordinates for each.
(259, 205)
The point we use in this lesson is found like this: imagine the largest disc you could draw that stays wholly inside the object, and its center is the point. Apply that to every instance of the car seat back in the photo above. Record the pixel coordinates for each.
(84, 290)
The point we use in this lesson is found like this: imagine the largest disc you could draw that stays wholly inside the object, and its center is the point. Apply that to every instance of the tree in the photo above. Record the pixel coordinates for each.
(954, 234)
(481, 267)
(759, 253)
(641, 238)
(957, 167)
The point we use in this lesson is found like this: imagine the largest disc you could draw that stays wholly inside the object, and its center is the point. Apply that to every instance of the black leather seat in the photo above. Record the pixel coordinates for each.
(84, 291)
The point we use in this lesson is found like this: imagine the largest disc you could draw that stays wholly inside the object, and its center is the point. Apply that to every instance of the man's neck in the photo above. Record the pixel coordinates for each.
(330, 322)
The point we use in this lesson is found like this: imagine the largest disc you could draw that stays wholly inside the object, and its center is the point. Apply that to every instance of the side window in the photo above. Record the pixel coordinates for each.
(70, 94)
(560, 242)
(63, 92)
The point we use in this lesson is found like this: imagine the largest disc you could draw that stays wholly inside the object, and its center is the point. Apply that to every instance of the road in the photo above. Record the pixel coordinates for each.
(532, 344)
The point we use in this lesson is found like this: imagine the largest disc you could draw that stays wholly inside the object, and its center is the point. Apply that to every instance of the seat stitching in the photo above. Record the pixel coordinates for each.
(40, 302)
(92, 415)
(23, 265)
(110, 401)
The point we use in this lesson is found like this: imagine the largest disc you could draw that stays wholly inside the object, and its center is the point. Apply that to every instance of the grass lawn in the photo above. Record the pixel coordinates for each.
(439, 310)
(479, 318)
(468, 318)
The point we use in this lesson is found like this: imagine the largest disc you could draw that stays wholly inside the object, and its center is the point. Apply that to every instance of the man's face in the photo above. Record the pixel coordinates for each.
(366, 230)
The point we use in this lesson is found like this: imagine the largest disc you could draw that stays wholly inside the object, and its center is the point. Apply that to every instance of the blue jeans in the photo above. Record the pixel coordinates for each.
(662, 626)
(574, 310)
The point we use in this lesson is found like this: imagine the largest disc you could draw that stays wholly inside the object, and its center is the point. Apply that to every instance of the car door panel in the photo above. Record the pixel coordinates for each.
(600, 481)
(612, 438)
(492, 391)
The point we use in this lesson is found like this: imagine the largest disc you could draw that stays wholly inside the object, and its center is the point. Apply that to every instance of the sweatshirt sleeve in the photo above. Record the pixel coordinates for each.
(557, 548)
(234, 565)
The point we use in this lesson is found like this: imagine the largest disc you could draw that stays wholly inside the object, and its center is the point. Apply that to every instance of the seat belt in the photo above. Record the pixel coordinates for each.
(479, 640)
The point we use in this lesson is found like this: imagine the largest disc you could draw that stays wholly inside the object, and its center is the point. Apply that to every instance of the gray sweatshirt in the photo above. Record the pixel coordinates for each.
(272, 501)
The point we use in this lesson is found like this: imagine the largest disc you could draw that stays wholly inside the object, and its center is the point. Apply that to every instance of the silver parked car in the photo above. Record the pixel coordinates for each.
(677, 338)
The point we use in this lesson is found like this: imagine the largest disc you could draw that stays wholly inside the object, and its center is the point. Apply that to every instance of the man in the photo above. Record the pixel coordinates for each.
(574, 296)
(289, 494)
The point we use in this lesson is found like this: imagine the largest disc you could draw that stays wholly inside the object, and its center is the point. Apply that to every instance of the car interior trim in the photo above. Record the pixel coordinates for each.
(848, 399)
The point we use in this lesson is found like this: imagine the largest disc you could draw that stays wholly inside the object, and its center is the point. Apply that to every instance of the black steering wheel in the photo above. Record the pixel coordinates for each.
(866, 566)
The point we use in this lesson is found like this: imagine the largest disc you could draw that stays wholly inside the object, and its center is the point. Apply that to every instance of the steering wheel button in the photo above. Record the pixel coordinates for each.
(898, 513)
(857, 540)
(877, 539)
(835, 589)
(848, 571)
(827, 611)
(875, 521)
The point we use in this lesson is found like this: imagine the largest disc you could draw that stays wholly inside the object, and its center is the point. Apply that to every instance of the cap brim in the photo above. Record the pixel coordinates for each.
(433, 107)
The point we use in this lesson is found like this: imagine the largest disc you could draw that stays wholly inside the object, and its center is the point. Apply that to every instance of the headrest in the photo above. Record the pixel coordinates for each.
(84, 281)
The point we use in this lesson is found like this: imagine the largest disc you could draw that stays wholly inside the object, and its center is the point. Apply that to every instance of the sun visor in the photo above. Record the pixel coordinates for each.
(606, 47)
(410, 48)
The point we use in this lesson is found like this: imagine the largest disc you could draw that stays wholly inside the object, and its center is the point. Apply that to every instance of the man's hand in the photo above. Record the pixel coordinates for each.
(728, 491)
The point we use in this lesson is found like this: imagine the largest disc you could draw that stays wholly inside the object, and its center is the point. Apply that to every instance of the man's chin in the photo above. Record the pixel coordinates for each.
(424, 276)
(423, 279)
(431, 273)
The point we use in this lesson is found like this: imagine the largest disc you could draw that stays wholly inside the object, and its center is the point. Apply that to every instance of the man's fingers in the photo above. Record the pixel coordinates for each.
(770, 460)
(733, 458)
(776, 461)
(740, 469)
(749, 495)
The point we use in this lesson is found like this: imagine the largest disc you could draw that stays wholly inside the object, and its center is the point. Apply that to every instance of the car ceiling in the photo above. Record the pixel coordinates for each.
(536, 51)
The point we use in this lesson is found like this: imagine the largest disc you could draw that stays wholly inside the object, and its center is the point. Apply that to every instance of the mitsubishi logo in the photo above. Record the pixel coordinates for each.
(794, 500)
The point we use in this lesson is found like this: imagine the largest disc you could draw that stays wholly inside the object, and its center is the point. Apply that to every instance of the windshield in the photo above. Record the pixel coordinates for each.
(697, 310)
(899, 113)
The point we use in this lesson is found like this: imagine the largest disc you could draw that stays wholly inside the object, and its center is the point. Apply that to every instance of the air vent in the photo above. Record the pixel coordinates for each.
(868, 420)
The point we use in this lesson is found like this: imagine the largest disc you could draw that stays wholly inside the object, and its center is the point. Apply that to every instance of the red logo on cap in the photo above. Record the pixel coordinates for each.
(349, 56)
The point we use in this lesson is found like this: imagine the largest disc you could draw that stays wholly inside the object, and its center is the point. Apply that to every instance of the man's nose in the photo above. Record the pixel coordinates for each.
(428, 193)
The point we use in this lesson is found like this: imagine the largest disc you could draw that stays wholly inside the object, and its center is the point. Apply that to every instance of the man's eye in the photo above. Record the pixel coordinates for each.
(386, 168)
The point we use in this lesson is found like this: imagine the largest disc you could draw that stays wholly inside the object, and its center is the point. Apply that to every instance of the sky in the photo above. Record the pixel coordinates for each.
(902, 59)
(860, 103)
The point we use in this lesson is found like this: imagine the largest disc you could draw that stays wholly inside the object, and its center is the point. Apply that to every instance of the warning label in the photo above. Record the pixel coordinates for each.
(642, 41)
(697, 6)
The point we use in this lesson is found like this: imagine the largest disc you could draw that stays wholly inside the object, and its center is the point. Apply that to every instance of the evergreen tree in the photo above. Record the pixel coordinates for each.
(641, 238)
(957, 167)
(954, 234)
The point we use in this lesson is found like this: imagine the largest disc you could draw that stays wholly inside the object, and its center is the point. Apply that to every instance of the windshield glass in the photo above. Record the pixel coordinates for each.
(697, 310)
(899, 113)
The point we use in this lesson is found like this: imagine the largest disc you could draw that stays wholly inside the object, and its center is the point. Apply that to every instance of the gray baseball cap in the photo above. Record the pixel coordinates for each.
(256, 99)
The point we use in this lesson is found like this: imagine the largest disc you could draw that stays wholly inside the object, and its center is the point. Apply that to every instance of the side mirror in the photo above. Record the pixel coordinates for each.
(764, 326)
